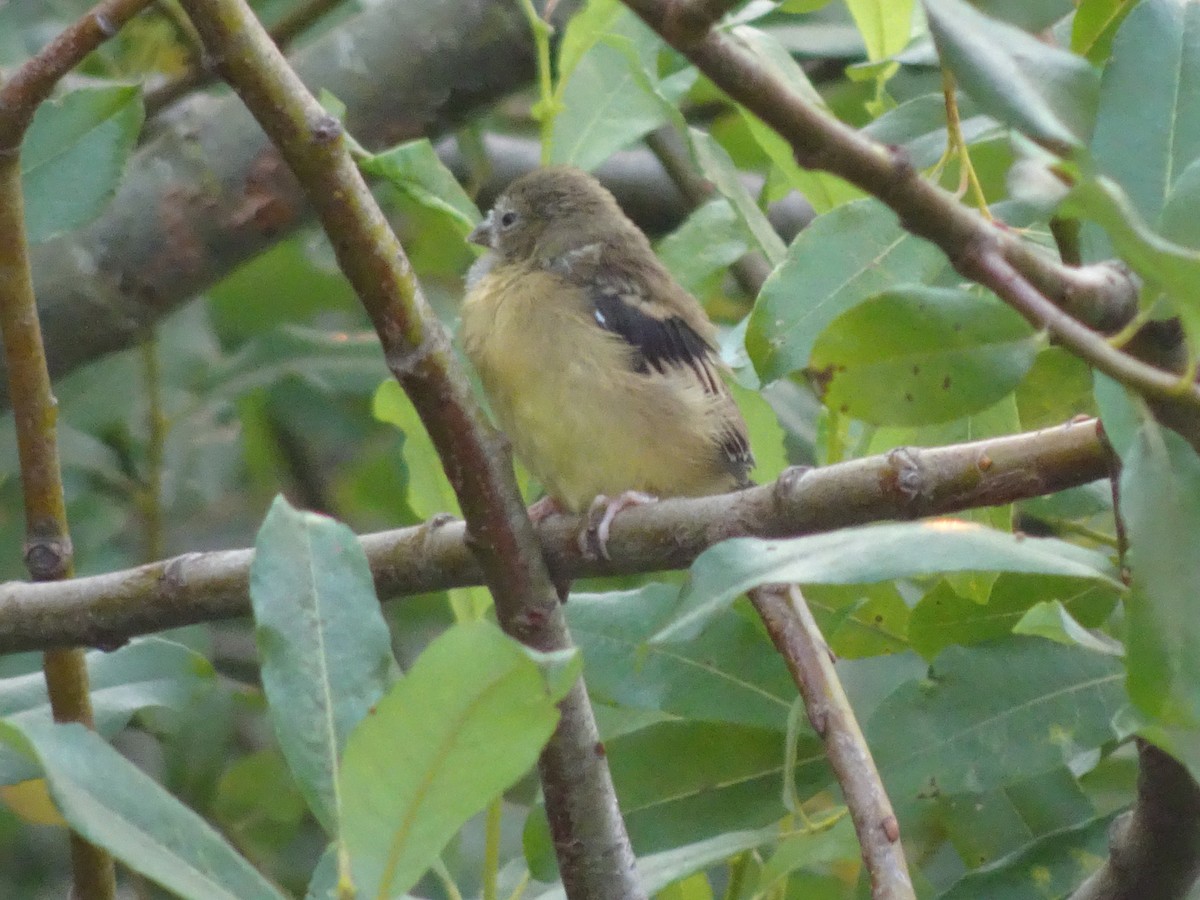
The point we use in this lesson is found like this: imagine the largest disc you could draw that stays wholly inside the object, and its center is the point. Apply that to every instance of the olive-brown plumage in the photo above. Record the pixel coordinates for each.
(600, 368)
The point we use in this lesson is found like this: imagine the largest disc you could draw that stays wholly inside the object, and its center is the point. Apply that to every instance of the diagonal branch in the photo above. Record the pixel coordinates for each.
(979, 250)
(594, 854)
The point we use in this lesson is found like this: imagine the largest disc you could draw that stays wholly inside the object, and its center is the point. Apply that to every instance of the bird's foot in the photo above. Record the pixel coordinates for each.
(544, 509)
(593, 539)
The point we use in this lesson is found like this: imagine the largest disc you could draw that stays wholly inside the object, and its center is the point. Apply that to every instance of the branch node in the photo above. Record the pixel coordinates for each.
(788, 484)
(905, 476)
(891, 829)
(326, 129)
(48, 558)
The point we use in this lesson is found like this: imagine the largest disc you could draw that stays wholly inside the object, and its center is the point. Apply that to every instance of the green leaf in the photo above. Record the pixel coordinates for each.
(883, 24)
(113, 804)
(429, 492)
(606, 106)
(332, 362)
(1044, 92)
(658, 870)
(1052, 621)
(838, 261)
(958, 729)
(325, 648)
(1095, 24)
(1148, 123)
(673, 795)
(918, 126)
(823, 190)
(414, 169)
(148, 673)
(819, 847)
(728, 674)
(1029, 15)
(710, 240)
(718, 168)
(1178, 222)
(1051, 866)
(943, 617)
(867, 555)
(915, 356)
(1160, 501)
(73, 156)
(466, 722)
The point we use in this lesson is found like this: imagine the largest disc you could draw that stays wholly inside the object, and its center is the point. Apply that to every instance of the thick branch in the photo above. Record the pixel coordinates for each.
(797, 637)
(1154, 850)
(209, 191)
(594, 854)
(105, 610)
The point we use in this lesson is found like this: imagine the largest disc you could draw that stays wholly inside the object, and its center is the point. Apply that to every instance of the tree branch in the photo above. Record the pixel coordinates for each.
(594, 855)
(106, 610)
(970, 242)
(798, 639)
(1154, 849)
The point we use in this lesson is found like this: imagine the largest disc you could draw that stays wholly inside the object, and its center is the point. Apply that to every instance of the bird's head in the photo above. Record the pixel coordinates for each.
(549, 213)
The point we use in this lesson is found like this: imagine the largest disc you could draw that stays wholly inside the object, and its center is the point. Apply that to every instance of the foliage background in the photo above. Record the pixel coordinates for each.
(272, 382)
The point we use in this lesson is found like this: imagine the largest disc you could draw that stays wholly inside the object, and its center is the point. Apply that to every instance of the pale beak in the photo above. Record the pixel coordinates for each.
(482, 233)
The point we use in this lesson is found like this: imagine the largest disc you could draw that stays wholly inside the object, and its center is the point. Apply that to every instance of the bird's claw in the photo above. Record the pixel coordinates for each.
(593, 539)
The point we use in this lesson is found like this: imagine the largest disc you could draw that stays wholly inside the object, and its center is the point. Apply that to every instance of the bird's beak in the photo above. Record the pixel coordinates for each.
(482, 233)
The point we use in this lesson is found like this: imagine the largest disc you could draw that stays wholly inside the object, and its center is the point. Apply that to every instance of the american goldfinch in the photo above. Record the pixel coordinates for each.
(600, 368)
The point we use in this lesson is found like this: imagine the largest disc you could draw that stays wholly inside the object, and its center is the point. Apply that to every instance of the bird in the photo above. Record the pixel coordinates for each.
(600, 368)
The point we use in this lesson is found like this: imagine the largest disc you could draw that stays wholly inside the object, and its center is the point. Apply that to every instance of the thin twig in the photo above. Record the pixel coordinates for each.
(198, 75)
(796, 636)
(106, 610)
(594, 854)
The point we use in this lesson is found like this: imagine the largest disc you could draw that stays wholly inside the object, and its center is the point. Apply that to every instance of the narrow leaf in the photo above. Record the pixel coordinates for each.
(113, 804)
(325, 648)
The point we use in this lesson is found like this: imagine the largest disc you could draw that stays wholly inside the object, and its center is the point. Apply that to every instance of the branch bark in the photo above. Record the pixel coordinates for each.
(106, 610)
(595, 858)
(1154, 849)
(798, 639)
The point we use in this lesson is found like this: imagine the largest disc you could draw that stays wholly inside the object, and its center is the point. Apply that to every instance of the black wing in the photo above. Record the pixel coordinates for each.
(670, 341)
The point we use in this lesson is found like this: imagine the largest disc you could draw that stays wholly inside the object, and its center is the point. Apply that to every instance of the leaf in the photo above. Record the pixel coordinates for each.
(916, 355)
(673, 795)
(466, 722)
(429, 492)
(1178, 220)
(843, 257)
(1095, 24)
(73, 156)
(606, 106)
(943, 617)
(1148, 124)
(918, 126)
(147, 673)
(718, 168)
(1160, 501)
(959, 728)
(710, 240)
(1051, 866)
(113, 804)
(729, 674)
(1044, 92)
(658, 870)
(866, 555)
(1029, 15)
(325, 648)
(883, 24)
(415, 169)
(1051, 620)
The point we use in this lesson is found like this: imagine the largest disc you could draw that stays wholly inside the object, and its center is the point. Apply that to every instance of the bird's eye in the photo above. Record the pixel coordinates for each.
(508, 219)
